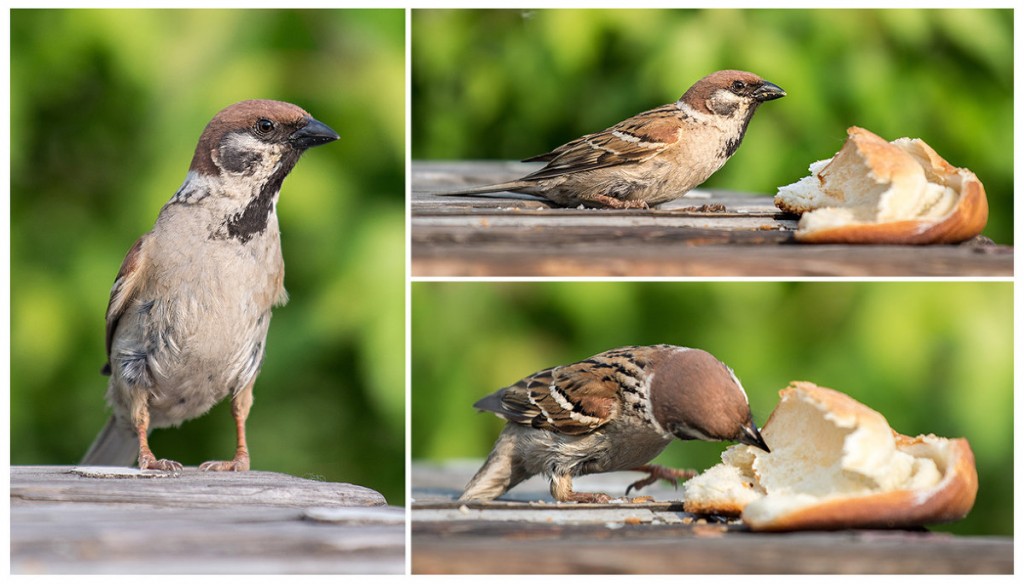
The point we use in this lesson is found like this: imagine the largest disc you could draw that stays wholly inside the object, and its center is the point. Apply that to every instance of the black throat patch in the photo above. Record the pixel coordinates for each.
(733, 143)
(253, 219)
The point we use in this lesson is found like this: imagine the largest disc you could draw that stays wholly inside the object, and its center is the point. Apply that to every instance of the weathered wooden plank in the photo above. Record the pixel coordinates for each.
(646, 550)
(697, 254)
(189, 488)
(526, 532)
(122, 521)
(495, 226)
(705, 233)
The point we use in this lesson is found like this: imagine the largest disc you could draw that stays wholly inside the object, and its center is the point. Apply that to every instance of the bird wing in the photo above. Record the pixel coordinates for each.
(631, 141)
(573, 399)
(125, 287)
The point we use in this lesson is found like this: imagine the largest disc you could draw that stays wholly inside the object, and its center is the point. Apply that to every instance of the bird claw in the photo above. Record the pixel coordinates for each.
(236, 465)
(656, 472)
(151, 463)
(613, 203)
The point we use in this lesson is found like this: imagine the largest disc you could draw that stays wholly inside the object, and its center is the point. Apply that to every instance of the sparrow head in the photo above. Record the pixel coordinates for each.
(243, 157)
(730, 93)
(697, 397)
(258, 139)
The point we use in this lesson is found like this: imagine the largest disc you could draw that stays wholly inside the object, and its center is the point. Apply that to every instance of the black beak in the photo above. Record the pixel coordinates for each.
(752, 437)
(768, 91)
(314, 133)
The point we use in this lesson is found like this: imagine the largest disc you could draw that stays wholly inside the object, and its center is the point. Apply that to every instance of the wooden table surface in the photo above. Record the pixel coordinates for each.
(506, 234)
(96, 520)
(527, 532)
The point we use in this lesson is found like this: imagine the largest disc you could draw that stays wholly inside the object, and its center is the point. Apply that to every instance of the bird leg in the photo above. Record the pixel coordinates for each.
(140, 419)
(561, 490)
(241, 402)
(655, 472)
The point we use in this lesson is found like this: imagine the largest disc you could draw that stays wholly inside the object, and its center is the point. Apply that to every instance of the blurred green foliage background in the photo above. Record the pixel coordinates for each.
(509, 84)
(106, 109)
(932, 357)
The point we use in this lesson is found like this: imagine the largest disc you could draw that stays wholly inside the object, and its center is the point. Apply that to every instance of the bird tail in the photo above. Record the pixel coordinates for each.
(500, 471)
(116, 445)
(511, 186)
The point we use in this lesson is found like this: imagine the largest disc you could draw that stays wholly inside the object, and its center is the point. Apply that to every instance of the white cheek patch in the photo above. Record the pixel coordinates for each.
(243, 141)
(240, 153)
(727, 103)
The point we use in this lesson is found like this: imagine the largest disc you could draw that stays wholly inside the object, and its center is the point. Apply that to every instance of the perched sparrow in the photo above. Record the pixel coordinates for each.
(614, 411)
(653, 157)
(189, 310)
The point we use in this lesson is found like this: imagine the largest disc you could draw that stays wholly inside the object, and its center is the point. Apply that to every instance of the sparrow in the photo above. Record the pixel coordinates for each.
(652, 157)
(614, 411)
(190, 307)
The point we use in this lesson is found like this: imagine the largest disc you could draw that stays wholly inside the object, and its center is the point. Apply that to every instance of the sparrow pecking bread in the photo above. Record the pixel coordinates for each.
(652, 157)
(614, 411)
(190, 308)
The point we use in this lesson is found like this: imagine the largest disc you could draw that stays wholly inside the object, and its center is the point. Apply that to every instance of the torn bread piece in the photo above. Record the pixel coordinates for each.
(836, 464)
(874, 191)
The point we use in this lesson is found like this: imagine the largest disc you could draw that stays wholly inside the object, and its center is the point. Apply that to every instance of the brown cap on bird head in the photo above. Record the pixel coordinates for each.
(694, 396)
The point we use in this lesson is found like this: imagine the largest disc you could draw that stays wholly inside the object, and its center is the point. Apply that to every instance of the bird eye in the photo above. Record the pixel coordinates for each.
(264, 126)
(738, 85)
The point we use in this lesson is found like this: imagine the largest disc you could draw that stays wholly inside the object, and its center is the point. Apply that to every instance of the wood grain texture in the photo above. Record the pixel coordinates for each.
(191, 522)
(702, 234)
(646, 550)
(527, 533)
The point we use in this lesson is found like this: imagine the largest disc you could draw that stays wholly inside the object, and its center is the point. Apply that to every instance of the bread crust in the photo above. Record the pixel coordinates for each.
(884, 164)
(950, 499)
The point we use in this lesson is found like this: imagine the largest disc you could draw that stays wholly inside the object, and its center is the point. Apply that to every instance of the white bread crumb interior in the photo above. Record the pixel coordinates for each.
(871, 181)
(825, 446)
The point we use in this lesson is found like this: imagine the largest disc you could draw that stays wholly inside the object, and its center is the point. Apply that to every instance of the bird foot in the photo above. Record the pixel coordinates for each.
(635, 205)
(657, 472)
(575, 497)
(151, 463)
(236, 465)
(613, 203)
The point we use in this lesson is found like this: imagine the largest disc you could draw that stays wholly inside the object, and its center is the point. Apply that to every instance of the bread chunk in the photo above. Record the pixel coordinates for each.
(835, 464)
(874, 191)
